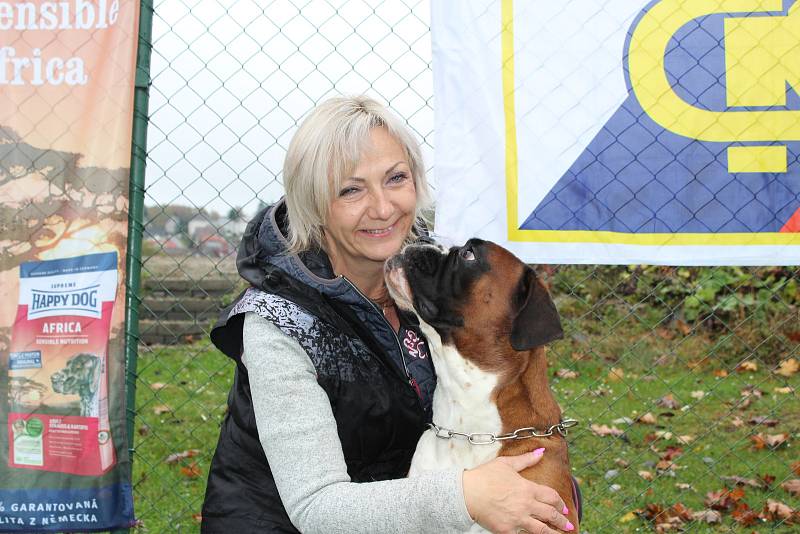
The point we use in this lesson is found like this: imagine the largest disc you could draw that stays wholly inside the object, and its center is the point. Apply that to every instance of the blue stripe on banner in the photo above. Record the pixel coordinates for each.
(103, 261)
(58, 510)
(637, 177)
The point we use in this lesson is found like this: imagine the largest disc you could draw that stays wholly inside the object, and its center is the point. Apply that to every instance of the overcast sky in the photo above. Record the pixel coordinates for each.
(232, 78)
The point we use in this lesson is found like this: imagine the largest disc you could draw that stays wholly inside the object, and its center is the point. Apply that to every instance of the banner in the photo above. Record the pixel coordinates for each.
(620, 131)
(66, 85)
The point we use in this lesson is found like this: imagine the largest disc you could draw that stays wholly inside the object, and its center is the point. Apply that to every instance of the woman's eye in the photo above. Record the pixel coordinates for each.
(347, 191)
(398, 177)
(467, 254)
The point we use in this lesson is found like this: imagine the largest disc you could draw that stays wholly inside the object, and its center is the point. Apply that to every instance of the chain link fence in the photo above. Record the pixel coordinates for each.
(683, 379)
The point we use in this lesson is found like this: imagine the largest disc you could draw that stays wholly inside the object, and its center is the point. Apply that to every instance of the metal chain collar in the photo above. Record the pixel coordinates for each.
(487, 438)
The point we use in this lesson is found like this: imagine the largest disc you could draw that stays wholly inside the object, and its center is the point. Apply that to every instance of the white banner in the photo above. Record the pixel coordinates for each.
(620, 131)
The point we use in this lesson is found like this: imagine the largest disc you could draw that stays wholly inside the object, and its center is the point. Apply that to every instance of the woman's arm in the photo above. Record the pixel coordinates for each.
(299, 436)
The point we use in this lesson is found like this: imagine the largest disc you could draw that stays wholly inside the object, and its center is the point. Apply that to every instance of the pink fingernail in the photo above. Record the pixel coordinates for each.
(569, 527)
(565, 511)
(538, 452)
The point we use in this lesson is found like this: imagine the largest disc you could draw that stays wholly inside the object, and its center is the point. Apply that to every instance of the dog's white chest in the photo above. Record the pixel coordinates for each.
(462, 403)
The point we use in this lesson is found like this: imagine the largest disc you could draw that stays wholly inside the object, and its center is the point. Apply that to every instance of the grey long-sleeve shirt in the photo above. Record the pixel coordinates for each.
(298, 433)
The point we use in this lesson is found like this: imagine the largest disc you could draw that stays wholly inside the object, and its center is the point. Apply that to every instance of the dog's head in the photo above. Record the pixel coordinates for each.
(476, 297)
(80, 376)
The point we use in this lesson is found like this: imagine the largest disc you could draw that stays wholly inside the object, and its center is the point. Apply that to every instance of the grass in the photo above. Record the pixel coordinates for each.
(182, 391)
(664, 331)
(180, 399)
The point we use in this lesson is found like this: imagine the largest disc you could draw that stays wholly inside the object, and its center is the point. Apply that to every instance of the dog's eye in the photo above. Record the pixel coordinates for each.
(467, 254)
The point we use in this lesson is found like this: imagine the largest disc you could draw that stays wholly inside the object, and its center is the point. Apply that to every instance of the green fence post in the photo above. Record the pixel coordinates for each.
(136, 215)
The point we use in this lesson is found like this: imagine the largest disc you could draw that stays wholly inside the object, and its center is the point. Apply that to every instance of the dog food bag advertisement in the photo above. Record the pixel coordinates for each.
(67, 84)
(58, 380)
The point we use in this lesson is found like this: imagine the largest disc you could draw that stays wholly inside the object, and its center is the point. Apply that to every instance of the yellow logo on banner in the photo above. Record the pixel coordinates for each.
(761, 55)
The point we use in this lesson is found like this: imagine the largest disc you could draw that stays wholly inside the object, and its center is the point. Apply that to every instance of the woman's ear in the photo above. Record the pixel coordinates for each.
(536, 322)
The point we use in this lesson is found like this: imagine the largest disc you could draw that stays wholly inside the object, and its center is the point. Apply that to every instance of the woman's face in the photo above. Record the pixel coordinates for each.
(373, 211)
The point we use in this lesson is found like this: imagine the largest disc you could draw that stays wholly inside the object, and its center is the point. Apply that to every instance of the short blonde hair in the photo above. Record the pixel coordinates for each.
(328, 144)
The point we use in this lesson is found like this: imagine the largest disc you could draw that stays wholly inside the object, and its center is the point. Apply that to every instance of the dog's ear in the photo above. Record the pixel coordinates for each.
(537, 322)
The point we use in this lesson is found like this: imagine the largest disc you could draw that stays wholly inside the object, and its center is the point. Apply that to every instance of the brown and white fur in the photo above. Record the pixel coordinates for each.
(487, 318)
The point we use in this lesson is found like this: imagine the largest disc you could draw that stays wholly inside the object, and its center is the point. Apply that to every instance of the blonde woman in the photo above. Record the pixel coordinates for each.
(333, 387)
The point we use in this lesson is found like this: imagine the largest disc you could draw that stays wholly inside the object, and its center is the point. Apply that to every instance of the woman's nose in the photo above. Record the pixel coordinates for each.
(381, 205)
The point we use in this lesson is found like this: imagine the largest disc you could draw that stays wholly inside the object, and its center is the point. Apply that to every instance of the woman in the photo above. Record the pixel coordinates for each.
(327, 403)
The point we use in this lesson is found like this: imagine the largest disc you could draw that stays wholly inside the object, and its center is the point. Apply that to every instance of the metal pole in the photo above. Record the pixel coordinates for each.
(136, 216)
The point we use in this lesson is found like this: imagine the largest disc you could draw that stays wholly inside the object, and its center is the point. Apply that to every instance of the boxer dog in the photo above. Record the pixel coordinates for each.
(487, 318)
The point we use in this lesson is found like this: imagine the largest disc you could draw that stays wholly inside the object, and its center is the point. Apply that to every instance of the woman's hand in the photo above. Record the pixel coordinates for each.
(502, 501)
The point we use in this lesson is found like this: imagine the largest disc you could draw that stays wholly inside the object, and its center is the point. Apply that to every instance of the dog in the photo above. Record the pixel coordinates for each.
(487, 318)
(80, 376)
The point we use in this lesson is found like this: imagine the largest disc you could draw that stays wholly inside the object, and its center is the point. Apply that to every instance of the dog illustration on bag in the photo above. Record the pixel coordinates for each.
(81, 376)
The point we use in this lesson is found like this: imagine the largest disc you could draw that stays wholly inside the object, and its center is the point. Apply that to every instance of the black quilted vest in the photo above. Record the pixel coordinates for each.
(380, 385)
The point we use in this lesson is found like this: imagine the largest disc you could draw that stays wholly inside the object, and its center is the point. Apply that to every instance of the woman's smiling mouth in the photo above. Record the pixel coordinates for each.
(380, 232)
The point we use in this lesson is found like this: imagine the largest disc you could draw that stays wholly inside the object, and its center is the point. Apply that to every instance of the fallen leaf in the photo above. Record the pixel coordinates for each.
(784, 390)
(630, 516)
(566, 373)
(796, 467)
(767, 480)
(622, 463)
(671, 452)
(707, 516)
(743, 515)
(777, 511)
(652, 511)
(752, 391)
(668, 401)
(161, 409)
(720, 373)
(605, 430)
(681, 511)
(762, 420)
(747, 367)
(685, 439)
(191, 471)
(198, 518)
(176, 457)
(647, 419)
(771, 441)
(741, 481)
(663, 434)
(579, 356)
(684, 328)
(737, 494)
(788, 367)
(156, 386)
(647, 475)
(663, 333)
(664, 465)
(622, 421)
(792, 486)
(723, 500)
(683, 486)
(143, 430)
(615, 374)
(699, 394)
(737, 422)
